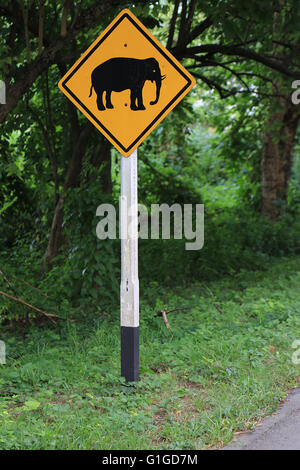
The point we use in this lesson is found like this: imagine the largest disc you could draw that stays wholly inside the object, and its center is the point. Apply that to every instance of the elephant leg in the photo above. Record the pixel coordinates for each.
(133, 97)
(108, 100)
(140, 99)
(100, 101)
(136, 100)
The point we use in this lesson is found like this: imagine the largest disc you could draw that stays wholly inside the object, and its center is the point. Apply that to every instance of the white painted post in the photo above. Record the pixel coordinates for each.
(129, 269)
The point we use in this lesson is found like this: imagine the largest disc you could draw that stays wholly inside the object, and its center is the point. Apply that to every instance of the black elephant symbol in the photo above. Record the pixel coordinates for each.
(123, 73)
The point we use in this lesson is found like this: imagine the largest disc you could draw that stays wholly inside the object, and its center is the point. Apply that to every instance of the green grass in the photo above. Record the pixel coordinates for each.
(225, 364)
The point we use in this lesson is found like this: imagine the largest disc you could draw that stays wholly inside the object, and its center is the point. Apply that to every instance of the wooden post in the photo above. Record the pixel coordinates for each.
(129, 269)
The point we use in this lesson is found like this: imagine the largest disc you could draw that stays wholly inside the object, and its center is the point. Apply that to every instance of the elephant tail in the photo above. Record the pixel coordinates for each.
(91, 90)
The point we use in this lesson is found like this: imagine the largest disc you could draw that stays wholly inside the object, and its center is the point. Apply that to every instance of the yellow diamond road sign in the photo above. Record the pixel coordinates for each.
(126, 82)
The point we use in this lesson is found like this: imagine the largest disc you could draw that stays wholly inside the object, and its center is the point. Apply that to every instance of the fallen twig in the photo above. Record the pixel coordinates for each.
(24, 282)
(178, 308)
(163, 314)
(8, 281)
(22, 302)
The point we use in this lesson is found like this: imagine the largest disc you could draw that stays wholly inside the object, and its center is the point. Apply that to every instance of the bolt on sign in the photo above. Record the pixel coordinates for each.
(126, 82)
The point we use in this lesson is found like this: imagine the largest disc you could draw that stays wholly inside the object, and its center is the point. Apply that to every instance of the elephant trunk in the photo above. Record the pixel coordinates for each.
(158, 86)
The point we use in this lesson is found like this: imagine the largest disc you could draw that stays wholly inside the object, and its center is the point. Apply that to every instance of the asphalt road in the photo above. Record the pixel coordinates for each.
(280, 431)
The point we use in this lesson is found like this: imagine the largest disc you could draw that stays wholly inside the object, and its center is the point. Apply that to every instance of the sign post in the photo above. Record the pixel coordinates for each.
(129, 291)
(126, 83)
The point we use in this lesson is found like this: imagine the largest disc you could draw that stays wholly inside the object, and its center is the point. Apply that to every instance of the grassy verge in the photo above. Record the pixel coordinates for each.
(225, 364)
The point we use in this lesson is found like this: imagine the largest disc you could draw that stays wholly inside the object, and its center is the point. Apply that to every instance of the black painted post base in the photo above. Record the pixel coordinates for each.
(130, 353)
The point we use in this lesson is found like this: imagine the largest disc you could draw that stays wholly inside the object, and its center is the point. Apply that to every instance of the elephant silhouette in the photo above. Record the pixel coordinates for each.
(123, 73)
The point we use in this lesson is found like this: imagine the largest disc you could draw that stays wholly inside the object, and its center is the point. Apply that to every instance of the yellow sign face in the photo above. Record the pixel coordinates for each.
(126, 82)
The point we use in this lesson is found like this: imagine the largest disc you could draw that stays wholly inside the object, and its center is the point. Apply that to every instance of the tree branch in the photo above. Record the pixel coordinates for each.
(63, 28)
(87, 18)
(22, 302)
(172, 25)
(25, 18)
(182, 27)
(41, 26)
(223, 92)
(242, 52)
(198, 30)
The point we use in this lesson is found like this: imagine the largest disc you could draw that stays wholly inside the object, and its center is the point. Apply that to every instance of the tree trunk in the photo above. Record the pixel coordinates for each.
(103, 157)
(277, 158)
(55, 239)
(71, 181)
(277, 153)
(106, 172)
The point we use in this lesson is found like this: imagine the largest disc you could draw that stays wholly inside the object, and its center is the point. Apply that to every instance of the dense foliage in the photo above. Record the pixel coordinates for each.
(55, 169)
